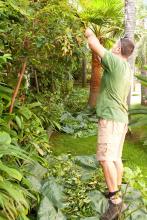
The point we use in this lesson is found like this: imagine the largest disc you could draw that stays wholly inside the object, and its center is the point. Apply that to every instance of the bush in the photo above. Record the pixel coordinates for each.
(50, 109)
(76, 101)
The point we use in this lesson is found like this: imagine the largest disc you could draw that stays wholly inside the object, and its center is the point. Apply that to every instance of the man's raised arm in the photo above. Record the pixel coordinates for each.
(94, 43)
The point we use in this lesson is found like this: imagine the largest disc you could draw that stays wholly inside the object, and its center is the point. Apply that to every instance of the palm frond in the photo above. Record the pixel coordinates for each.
(143, 79)
(104, 17)
(102, 13)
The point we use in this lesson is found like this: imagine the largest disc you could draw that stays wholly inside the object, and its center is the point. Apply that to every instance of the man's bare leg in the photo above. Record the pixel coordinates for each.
(119, 168)
(110, 173)
(111, 178)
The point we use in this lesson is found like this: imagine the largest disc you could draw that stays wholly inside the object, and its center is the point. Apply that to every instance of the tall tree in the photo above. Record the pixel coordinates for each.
(141, 59)
(130, 23)
(105, 19)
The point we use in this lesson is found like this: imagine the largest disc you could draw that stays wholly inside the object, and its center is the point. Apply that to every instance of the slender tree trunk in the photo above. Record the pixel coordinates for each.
(18, 85)
(95, 80)
(84, 72)
(143, 90)
(130, 23)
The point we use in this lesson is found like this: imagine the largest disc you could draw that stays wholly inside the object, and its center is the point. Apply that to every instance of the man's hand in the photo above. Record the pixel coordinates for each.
(94, 43)
(89, 33)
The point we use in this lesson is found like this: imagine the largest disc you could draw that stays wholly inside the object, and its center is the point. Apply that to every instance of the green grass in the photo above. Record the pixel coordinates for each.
(134, 154)
(75, 146)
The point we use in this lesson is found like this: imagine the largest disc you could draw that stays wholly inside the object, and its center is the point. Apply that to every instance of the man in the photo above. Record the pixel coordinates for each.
(113, 116)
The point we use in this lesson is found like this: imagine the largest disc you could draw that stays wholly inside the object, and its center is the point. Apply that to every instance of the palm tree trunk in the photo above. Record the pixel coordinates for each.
(130, 23)
(95, 80)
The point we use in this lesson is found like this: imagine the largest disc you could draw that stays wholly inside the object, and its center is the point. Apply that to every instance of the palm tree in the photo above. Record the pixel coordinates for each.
(130, 23)
(105, 19)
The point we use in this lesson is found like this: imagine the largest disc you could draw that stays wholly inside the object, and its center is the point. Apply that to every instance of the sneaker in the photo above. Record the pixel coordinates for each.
(112, 212)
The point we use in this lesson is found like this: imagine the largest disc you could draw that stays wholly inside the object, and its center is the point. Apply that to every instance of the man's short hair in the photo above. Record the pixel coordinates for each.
(127, 47)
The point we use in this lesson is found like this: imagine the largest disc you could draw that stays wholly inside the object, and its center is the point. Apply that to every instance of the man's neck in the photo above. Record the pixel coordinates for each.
(121, 57)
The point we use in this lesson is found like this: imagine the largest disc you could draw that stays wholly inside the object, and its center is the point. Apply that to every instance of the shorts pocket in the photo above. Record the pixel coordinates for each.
(102, 150)
(105, 139)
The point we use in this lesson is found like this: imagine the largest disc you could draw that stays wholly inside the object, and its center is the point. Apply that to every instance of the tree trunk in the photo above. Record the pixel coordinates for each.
(130, 23)
(18, 85)
(143, 90)
(84, 72)
(95, 80)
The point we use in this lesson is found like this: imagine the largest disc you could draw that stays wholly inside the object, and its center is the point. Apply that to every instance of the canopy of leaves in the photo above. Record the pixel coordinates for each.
(105, 17)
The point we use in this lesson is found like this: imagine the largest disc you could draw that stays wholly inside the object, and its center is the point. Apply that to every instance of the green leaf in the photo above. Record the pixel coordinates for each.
(36, 184)
(143, 79)
(5, 90)
(99, 202)
(18, 121)
(25, 112)
(87, 161)
(48, 212)
(4, 138)
(12, 150)
(34, 105)
(23, 217)
(14, 191)
(53, 192)
(37, 173)
(11, 172)
(57, 125)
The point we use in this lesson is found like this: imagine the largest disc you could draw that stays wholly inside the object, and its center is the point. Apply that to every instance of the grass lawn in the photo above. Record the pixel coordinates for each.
(134, 154)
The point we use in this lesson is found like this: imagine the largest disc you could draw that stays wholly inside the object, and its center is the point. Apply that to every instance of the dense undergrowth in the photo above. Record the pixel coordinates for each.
(47, 186)
(73, 188)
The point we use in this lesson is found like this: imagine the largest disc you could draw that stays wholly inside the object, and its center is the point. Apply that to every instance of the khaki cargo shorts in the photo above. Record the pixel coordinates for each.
(111, 136)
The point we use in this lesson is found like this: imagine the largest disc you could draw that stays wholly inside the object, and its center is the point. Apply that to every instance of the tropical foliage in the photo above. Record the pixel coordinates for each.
(41, 51)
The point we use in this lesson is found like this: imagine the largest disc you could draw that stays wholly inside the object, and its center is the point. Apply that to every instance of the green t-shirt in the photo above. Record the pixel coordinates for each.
(115, 87)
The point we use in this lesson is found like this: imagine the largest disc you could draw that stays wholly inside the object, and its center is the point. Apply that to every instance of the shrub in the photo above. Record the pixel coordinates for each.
(76, 101)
